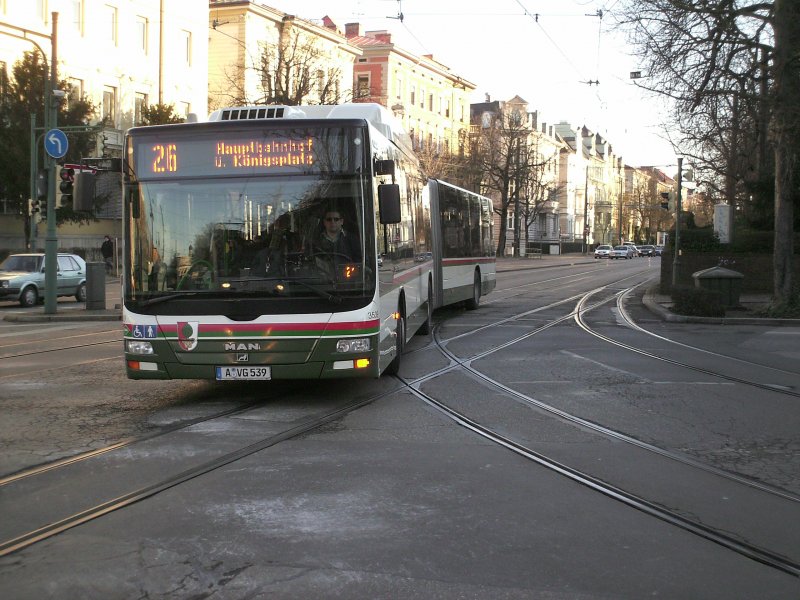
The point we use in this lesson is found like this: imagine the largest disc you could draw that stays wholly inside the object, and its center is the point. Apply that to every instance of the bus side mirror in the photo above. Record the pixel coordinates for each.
(389, 203)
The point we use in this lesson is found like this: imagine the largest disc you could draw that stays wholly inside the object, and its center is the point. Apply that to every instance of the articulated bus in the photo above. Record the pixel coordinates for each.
(289, 242)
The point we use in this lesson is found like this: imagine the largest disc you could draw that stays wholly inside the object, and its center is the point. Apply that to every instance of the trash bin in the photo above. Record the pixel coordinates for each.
(95, 286)
(724, 281)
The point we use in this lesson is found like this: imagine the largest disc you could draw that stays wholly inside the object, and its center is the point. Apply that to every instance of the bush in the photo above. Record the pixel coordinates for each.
(697, 302)
(744, 241)
(787, 310)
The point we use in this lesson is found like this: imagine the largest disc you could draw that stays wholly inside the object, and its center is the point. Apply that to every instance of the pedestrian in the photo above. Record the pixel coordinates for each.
(107, 250)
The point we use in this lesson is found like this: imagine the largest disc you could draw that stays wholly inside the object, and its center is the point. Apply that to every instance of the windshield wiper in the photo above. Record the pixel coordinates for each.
(168, 297)
(333, 299)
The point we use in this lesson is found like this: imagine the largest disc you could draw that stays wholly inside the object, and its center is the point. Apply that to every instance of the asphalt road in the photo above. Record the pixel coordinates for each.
(396, 498)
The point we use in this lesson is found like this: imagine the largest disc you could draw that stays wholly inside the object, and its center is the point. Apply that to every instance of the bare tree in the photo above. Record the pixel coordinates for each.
(292, 70)
(501, 154)
(542, 189)
(724, 64)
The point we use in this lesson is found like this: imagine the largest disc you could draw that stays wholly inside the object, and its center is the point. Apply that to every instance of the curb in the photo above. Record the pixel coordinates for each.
(667, 315)
(64, 317)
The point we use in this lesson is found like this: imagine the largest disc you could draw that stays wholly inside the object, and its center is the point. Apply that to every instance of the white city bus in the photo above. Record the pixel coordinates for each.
(227, 276)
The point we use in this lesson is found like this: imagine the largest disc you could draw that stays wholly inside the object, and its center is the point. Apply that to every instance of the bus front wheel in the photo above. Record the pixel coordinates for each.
(400, 341)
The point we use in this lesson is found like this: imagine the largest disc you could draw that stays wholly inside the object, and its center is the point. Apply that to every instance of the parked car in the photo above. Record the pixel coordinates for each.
(647, 250)
(22, 278)
(622, 252)
(603, 251)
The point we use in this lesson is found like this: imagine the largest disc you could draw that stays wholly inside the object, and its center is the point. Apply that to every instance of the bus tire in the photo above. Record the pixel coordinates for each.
(427, 325)
(400, 340)
(475, 301)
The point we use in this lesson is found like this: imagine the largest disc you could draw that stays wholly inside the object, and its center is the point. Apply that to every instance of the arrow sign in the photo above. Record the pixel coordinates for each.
(55, 143)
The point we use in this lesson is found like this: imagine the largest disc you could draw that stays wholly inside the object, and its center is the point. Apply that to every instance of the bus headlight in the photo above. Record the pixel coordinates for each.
(138, 347)
(353, 345)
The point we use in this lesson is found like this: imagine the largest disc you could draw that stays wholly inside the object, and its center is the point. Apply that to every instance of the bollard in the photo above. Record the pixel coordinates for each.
(95, 286)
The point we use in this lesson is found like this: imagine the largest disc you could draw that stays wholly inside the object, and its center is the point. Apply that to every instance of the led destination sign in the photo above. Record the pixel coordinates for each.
(258, 153)
(203, 155)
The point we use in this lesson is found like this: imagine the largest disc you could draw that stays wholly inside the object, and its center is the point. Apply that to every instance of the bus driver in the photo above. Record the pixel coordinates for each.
(334, 243)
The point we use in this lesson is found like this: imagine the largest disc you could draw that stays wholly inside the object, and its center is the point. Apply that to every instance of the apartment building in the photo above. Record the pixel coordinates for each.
(574, 216)
(260, 55)
(526, 152)
(591, 187)
(430, 100)
(121, 54)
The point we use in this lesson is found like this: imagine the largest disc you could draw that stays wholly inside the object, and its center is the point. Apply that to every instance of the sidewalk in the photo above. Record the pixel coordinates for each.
(75, 311)
(511, 263)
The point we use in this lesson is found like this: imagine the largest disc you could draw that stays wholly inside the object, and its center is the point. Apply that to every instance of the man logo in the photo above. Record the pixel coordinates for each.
(239, 346)
(187, 334)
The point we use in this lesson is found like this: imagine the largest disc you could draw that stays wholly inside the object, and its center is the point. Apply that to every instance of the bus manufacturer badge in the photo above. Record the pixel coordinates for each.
(187, 334)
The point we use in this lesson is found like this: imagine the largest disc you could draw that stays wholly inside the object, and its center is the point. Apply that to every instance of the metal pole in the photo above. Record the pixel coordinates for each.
(34, 164)
(676, 262)
(51, 239)
(586, 212)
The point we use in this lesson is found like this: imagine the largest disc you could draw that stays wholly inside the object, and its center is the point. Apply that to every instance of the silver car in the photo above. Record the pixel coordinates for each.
(22, 278)
(622, 252)
(603, 251)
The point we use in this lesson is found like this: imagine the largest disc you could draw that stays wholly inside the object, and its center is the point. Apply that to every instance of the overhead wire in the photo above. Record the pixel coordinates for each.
(535, 17)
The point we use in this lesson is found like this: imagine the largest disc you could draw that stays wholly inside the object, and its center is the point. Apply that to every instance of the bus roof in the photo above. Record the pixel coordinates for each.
(376, 115)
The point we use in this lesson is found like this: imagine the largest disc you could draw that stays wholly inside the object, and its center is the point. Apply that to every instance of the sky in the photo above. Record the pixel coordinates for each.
(549, 52)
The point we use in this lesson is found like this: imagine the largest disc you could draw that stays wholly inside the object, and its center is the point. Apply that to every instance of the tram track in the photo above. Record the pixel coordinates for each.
(692, 523)
(771, 388)
(80, 517)
(576, 314)
(754, 552)
(71, 460)
(581, 306)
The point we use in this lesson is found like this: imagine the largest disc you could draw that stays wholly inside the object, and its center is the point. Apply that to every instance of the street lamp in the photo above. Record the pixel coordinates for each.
(676, 259)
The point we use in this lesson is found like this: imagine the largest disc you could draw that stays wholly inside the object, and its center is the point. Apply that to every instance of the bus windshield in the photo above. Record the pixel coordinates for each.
(242, 246)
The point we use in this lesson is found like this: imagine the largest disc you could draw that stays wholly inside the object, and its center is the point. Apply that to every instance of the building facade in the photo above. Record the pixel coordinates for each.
(260, 55)
(431, 102)
(520, 158)
(122, 55)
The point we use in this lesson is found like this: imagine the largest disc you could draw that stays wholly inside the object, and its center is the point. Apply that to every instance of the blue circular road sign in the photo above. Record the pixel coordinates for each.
(55, 143)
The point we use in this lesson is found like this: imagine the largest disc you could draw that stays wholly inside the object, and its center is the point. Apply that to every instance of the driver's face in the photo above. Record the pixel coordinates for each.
(333, 223)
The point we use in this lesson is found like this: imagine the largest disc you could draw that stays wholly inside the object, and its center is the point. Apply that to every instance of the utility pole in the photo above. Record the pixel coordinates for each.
(676, 261)
(586, 212)
(51, 239)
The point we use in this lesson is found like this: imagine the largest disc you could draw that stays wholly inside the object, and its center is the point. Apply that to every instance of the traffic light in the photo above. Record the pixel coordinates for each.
(67, 175)
(665, 200)
(83, 197)
(41, 185)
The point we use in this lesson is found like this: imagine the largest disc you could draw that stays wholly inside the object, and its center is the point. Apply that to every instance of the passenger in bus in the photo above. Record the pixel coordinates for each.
(334, 242)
